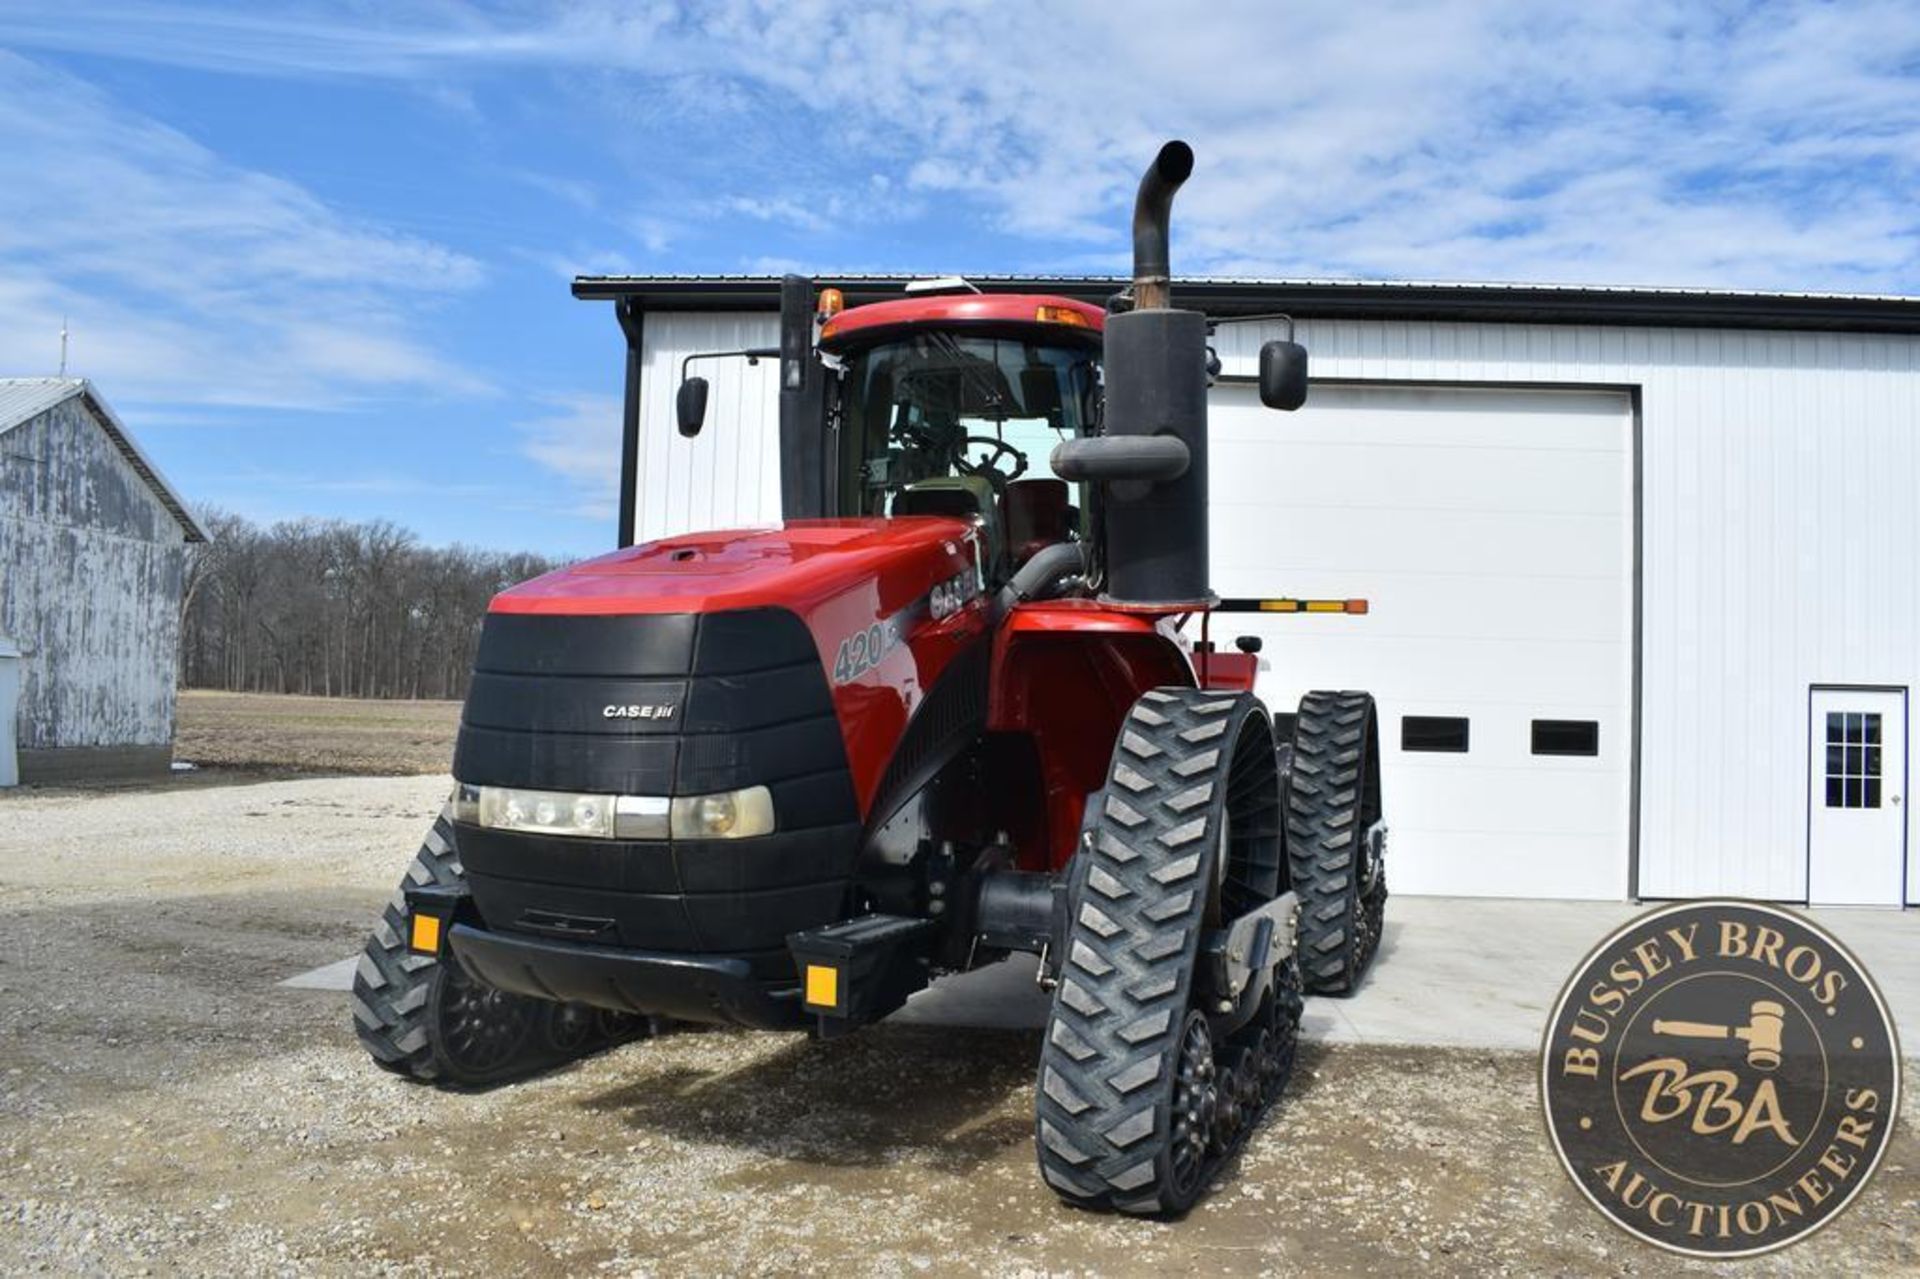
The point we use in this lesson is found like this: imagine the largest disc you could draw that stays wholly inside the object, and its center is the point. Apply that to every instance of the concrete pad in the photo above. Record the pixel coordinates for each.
(1454, 972)
(335, 976)
(1483, 973)
(1457, 972)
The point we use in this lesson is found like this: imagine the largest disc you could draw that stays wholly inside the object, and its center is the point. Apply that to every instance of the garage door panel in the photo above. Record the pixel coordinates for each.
(1533, 481)
(1403, 416)
(1416, 541)
(1490, 532)
(1475, 864)
(1472, 606)
(1498, 673)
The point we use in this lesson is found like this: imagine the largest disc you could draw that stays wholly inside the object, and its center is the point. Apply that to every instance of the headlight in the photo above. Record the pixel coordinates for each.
(546, 812)
(738, 814)
(735, 814)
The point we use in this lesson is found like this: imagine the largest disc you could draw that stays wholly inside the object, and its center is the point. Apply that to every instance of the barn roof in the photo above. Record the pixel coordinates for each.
(24, 398)
(1337, 299)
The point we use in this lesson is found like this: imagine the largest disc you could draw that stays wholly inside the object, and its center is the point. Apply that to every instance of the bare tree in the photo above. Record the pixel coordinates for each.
(336, 609)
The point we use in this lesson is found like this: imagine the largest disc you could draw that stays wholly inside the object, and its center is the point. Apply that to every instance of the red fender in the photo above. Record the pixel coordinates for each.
(1065, 673)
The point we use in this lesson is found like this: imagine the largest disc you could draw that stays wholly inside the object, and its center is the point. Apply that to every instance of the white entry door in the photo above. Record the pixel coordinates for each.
(1857, 782)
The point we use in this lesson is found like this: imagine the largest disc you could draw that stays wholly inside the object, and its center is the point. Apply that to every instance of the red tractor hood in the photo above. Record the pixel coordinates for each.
(796, 565)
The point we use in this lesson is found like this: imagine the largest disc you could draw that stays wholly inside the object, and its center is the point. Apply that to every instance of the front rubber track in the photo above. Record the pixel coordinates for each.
(416, 1016)
(1139, 890)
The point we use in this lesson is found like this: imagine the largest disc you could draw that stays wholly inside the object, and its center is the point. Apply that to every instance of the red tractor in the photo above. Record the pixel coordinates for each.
(785, 777)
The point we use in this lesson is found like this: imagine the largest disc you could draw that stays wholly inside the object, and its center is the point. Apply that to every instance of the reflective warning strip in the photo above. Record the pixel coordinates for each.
(1284, 605)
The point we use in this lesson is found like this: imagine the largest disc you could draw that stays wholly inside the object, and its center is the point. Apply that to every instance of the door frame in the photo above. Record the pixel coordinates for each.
(1636, 589)
(1806, 780)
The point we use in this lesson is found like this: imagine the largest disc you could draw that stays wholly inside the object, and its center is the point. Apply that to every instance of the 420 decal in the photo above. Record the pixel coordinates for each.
(861, 651)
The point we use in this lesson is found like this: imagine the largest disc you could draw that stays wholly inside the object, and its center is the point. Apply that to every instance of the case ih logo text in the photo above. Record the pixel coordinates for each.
(952, 595)
(664, 711)
(1720, 1078)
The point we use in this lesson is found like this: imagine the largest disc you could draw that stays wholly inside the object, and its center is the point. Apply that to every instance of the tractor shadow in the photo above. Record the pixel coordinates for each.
(949, 1099)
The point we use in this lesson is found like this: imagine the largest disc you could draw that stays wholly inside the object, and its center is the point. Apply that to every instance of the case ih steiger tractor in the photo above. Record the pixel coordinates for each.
(785, 777)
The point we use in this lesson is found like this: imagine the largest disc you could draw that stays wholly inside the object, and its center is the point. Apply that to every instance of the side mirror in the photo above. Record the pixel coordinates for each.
(691, 404)
(1283, 375)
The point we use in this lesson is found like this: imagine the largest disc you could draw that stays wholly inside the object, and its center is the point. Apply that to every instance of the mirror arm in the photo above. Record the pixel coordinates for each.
(754, 355)
(1214, 322)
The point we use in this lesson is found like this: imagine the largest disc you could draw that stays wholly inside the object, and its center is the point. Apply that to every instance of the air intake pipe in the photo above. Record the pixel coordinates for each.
(1151, 459)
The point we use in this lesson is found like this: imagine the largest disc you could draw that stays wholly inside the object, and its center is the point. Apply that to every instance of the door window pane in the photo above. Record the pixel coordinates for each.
(1853, 759)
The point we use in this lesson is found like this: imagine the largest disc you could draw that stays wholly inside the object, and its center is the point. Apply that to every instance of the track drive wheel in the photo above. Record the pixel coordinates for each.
(1140, 1096)
(1333, 799)
(432, 1022)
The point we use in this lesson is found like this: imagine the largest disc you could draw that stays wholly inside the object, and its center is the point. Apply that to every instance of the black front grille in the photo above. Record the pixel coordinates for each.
(745, 703)
(715, 702)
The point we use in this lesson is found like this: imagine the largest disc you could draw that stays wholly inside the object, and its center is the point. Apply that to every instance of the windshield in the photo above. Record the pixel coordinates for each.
(940, 403)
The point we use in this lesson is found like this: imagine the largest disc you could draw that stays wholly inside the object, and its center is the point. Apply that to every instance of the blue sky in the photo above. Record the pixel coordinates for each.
(317, 254)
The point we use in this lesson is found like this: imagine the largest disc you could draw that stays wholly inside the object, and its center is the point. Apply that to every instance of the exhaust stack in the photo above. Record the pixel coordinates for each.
(1156, 376)
(1152, 209)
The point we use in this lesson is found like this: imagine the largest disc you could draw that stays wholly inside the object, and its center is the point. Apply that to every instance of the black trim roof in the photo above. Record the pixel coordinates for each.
(1339, 299)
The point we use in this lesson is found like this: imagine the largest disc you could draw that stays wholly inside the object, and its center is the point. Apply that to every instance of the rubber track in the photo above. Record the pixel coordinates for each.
(1324, 828)
(1137, 896)
(391, 984)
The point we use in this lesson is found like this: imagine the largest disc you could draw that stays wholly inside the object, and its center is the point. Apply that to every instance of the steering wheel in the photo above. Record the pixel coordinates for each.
(985, 468)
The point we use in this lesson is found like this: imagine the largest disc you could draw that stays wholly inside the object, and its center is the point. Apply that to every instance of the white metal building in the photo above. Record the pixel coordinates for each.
(1644, 604)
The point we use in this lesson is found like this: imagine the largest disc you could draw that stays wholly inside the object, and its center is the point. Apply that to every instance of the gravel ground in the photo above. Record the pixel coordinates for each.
(166, 1107)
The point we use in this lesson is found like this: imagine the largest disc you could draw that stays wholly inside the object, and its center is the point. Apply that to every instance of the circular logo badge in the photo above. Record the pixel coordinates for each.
(1720, 1077)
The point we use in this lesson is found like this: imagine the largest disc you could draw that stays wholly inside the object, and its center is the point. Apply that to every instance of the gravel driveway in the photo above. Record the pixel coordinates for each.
(166, 1107)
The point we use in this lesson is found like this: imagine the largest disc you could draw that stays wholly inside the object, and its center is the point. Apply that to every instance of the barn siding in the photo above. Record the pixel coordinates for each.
(91, 571)
(1779, 480)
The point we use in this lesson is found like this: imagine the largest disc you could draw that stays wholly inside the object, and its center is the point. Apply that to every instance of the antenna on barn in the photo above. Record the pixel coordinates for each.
(63, 346)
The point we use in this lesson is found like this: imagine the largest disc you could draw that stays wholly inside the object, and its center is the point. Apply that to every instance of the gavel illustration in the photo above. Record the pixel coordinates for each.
(1762, 1032)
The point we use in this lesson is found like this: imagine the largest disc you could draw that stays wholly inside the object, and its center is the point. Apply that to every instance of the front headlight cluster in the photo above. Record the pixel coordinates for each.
(736, 814)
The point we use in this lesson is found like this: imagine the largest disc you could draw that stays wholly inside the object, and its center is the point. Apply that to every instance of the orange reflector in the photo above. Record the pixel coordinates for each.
(1354, 607)
(823, 986)
(1061, 315)
(832, 302)
(425, 938)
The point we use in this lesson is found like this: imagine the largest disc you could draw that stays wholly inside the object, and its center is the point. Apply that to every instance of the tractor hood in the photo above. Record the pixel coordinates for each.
(796, 565)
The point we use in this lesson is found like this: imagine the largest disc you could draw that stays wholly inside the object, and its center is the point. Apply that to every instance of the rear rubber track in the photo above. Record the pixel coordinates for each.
(1333, 795)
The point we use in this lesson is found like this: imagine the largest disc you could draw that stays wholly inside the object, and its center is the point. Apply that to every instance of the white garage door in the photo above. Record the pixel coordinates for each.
(1491, 533)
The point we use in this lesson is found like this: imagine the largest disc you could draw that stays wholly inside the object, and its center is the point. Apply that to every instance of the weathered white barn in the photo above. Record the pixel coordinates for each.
(1641, 564)
(93, 546)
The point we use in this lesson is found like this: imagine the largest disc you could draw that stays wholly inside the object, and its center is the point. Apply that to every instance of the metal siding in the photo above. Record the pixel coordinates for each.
(728, 475)
(91, 565)
(1779, 474)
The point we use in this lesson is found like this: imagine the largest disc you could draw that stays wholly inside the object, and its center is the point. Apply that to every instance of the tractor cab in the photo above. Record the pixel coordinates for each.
(954, 405)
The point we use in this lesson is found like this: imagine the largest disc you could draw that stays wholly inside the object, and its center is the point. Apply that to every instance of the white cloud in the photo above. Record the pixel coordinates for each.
(579, 440)
(1670, 142)
(189, 279)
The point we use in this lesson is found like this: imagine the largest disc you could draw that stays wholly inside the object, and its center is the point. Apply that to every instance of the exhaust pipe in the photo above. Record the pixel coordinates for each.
(1152, 209)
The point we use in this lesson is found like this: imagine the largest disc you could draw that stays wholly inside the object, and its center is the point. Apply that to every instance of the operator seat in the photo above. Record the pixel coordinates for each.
(958, 497)
(1038, 514)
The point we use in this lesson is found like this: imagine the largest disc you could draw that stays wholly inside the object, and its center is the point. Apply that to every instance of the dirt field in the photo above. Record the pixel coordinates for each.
(268, 734)
(167, 1107)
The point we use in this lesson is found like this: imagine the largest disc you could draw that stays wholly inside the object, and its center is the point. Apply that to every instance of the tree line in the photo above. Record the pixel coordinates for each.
(336, 609)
